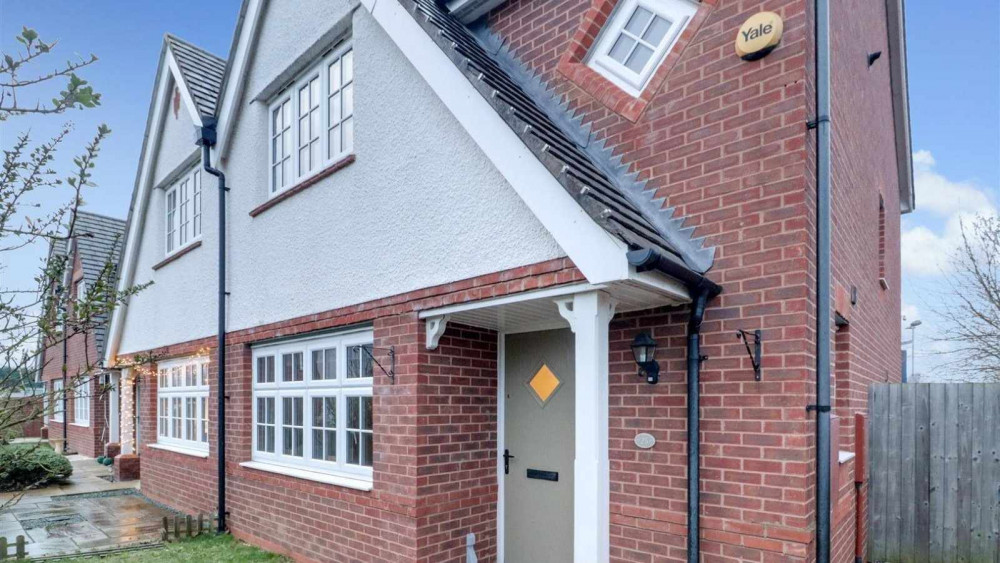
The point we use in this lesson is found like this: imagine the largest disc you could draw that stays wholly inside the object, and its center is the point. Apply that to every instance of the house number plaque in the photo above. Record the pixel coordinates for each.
(645, 441)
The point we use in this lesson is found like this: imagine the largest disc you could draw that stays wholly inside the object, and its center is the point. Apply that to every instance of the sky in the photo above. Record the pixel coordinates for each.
(954, 79)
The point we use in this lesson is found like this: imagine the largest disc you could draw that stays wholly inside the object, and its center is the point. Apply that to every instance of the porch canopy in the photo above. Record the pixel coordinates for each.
(586, 309)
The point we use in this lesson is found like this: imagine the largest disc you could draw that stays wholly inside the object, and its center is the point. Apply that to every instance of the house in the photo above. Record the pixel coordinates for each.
(453, 231)
(84, 395)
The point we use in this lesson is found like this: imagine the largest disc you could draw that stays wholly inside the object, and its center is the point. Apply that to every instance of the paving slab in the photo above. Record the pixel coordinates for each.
(84, 514)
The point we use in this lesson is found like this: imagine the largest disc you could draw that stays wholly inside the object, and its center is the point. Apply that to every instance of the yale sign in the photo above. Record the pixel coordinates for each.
(759, 35)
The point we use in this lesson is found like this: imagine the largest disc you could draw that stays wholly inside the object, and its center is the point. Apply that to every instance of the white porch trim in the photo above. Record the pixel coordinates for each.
(588, 310)
(589, 315)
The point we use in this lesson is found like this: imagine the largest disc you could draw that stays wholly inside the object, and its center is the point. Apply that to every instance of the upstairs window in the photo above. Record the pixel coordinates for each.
(636, 39)
(183, 211)
(312, 120)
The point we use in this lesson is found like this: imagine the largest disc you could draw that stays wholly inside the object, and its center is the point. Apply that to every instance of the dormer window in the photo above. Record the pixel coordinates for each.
(183, 211)
(312, 121)
(637, 38)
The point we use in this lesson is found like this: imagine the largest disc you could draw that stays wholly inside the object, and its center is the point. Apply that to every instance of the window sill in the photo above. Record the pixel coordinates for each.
(177, 254)
(303, 185)
(843, 456)
(80, 424)
(355, 483)
(179, 450)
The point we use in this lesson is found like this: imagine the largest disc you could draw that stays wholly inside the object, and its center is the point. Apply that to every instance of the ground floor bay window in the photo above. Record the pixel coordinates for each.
(312, 408)
(182, 405)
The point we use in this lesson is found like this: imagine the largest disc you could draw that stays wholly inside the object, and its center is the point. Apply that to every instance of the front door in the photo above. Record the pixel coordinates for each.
(538, 445)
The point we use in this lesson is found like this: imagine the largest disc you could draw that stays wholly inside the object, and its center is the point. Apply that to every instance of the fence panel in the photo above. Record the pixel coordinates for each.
(934, 472)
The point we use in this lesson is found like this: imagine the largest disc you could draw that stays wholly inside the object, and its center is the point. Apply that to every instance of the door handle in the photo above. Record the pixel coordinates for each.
(506, 461)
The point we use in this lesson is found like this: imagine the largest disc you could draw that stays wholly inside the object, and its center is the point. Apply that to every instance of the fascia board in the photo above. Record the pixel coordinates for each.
(236, 76)
(182, 87)
(600, 257)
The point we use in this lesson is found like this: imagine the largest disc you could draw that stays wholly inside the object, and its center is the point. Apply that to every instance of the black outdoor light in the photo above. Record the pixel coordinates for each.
(644, 352)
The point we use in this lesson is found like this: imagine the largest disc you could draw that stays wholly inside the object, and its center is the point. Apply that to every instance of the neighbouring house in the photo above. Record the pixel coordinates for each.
(452, 232)
(81, 403)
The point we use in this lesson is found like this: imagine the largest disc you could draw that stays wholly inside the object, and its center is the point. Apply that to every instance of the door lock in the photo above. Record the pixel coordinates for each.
(506, 461)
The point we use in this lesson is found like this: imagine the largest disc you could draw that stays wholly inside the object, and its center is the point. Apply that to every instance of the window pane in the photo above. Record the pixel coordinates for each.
(331, 412)
(335, 76)
(330, 369)
(640, 17)
(366, 449)
(334, 140)
(335, 114)
(366, 413)
(317, 411)
(354, 448)
(348, 128)
(353, 412)
(656, 31)
(621, 48)
(637, 61)
(204, 419)
(348, 96)
(348, 62)
(291, 367)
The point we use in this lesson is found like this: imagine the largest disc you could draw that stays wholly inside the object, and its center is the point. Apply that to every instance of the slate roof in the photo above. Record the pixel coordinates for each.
(98, 239)
(588, 171)
(203, 72)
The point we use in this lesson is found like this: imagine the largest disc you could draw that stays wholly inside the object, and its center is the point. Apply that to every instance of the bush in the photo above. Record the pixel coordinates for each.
(25, 466)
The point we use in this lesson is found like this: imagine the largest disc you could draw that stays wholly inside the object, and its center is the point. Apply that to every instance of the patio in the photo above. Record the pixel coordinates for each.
(87, 513)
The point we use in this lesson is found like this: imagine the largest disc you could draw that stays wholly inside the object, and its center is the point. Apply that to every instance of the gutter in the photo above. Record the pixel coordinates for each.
(702, 291)
(206, 138)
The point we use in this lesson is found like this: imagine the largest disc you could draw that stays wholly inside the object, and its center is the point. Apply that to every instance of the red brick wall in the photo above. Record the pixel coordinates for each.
(435, 438)
(724, 141)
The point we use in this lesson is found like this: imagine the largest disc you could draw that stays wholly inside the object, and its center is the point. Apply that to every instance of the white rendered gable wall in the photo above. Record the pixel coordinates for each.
(421, 206)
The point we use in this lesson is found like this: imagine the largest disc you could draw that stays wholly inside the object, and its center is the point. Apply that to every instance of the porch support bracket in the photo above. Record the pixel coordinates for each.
(589, 315)
(435, 330)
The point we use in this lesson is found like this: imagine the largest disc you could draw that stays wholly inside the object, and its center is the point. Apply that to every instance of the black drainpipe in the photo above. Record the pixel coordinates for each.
(702, 291)
(823, 280)
(206, 137)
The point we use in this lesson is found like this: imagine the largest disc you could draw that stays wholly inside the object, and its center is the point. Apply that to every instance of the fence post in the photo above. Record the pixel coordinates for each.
(20, 547)
(3, 548)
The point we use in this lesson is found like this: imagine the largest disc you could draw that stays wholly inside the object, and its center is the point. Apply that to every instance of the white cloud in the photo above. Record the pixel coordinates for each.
(925, 249)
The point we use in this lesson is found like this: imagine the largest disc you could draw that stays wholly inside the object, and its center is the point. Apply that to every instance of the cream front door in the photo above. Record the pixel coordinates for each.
(539, 407)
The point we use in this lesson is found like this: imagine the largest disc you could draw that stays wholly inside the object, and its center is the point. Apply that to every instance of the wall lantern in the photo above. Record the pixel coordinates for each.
(644, 352)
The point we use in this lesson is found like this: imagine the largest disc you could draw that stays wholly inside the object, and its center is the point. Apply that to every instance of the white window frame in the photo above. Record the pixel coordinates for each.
(175, 391)
(182, 222)
(329, 123)
(57, 411)
(340, 388)
(81, 398)
(679, 12)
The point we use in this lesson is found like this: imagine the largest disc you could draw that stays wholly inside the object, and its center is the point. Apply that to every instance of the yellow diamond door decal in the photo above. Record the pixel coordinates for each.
(544, 384)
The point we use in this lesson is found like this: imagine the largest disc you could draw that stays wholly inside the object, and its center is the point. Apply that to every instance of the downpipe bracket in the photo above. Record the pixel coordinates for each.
(815, 123)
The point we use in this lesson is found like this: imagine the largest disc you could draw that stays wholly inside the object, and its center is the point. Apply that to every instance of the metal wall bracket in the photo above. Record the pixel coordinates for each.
(391, 351)
(754, 354)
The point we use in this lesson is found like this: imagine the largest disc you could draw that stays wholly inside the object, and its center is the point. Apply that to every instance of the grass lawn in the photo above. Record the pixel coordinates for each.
(202, 549)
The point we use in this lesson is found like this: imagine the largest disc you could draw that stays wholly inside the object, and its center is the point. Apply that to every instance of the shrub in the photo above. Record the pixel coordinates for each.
(24, 466)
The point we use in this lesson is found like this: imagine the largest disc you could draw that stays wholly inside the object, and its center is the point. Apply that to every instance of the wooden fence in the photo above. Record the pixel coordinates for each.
(934, 477)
